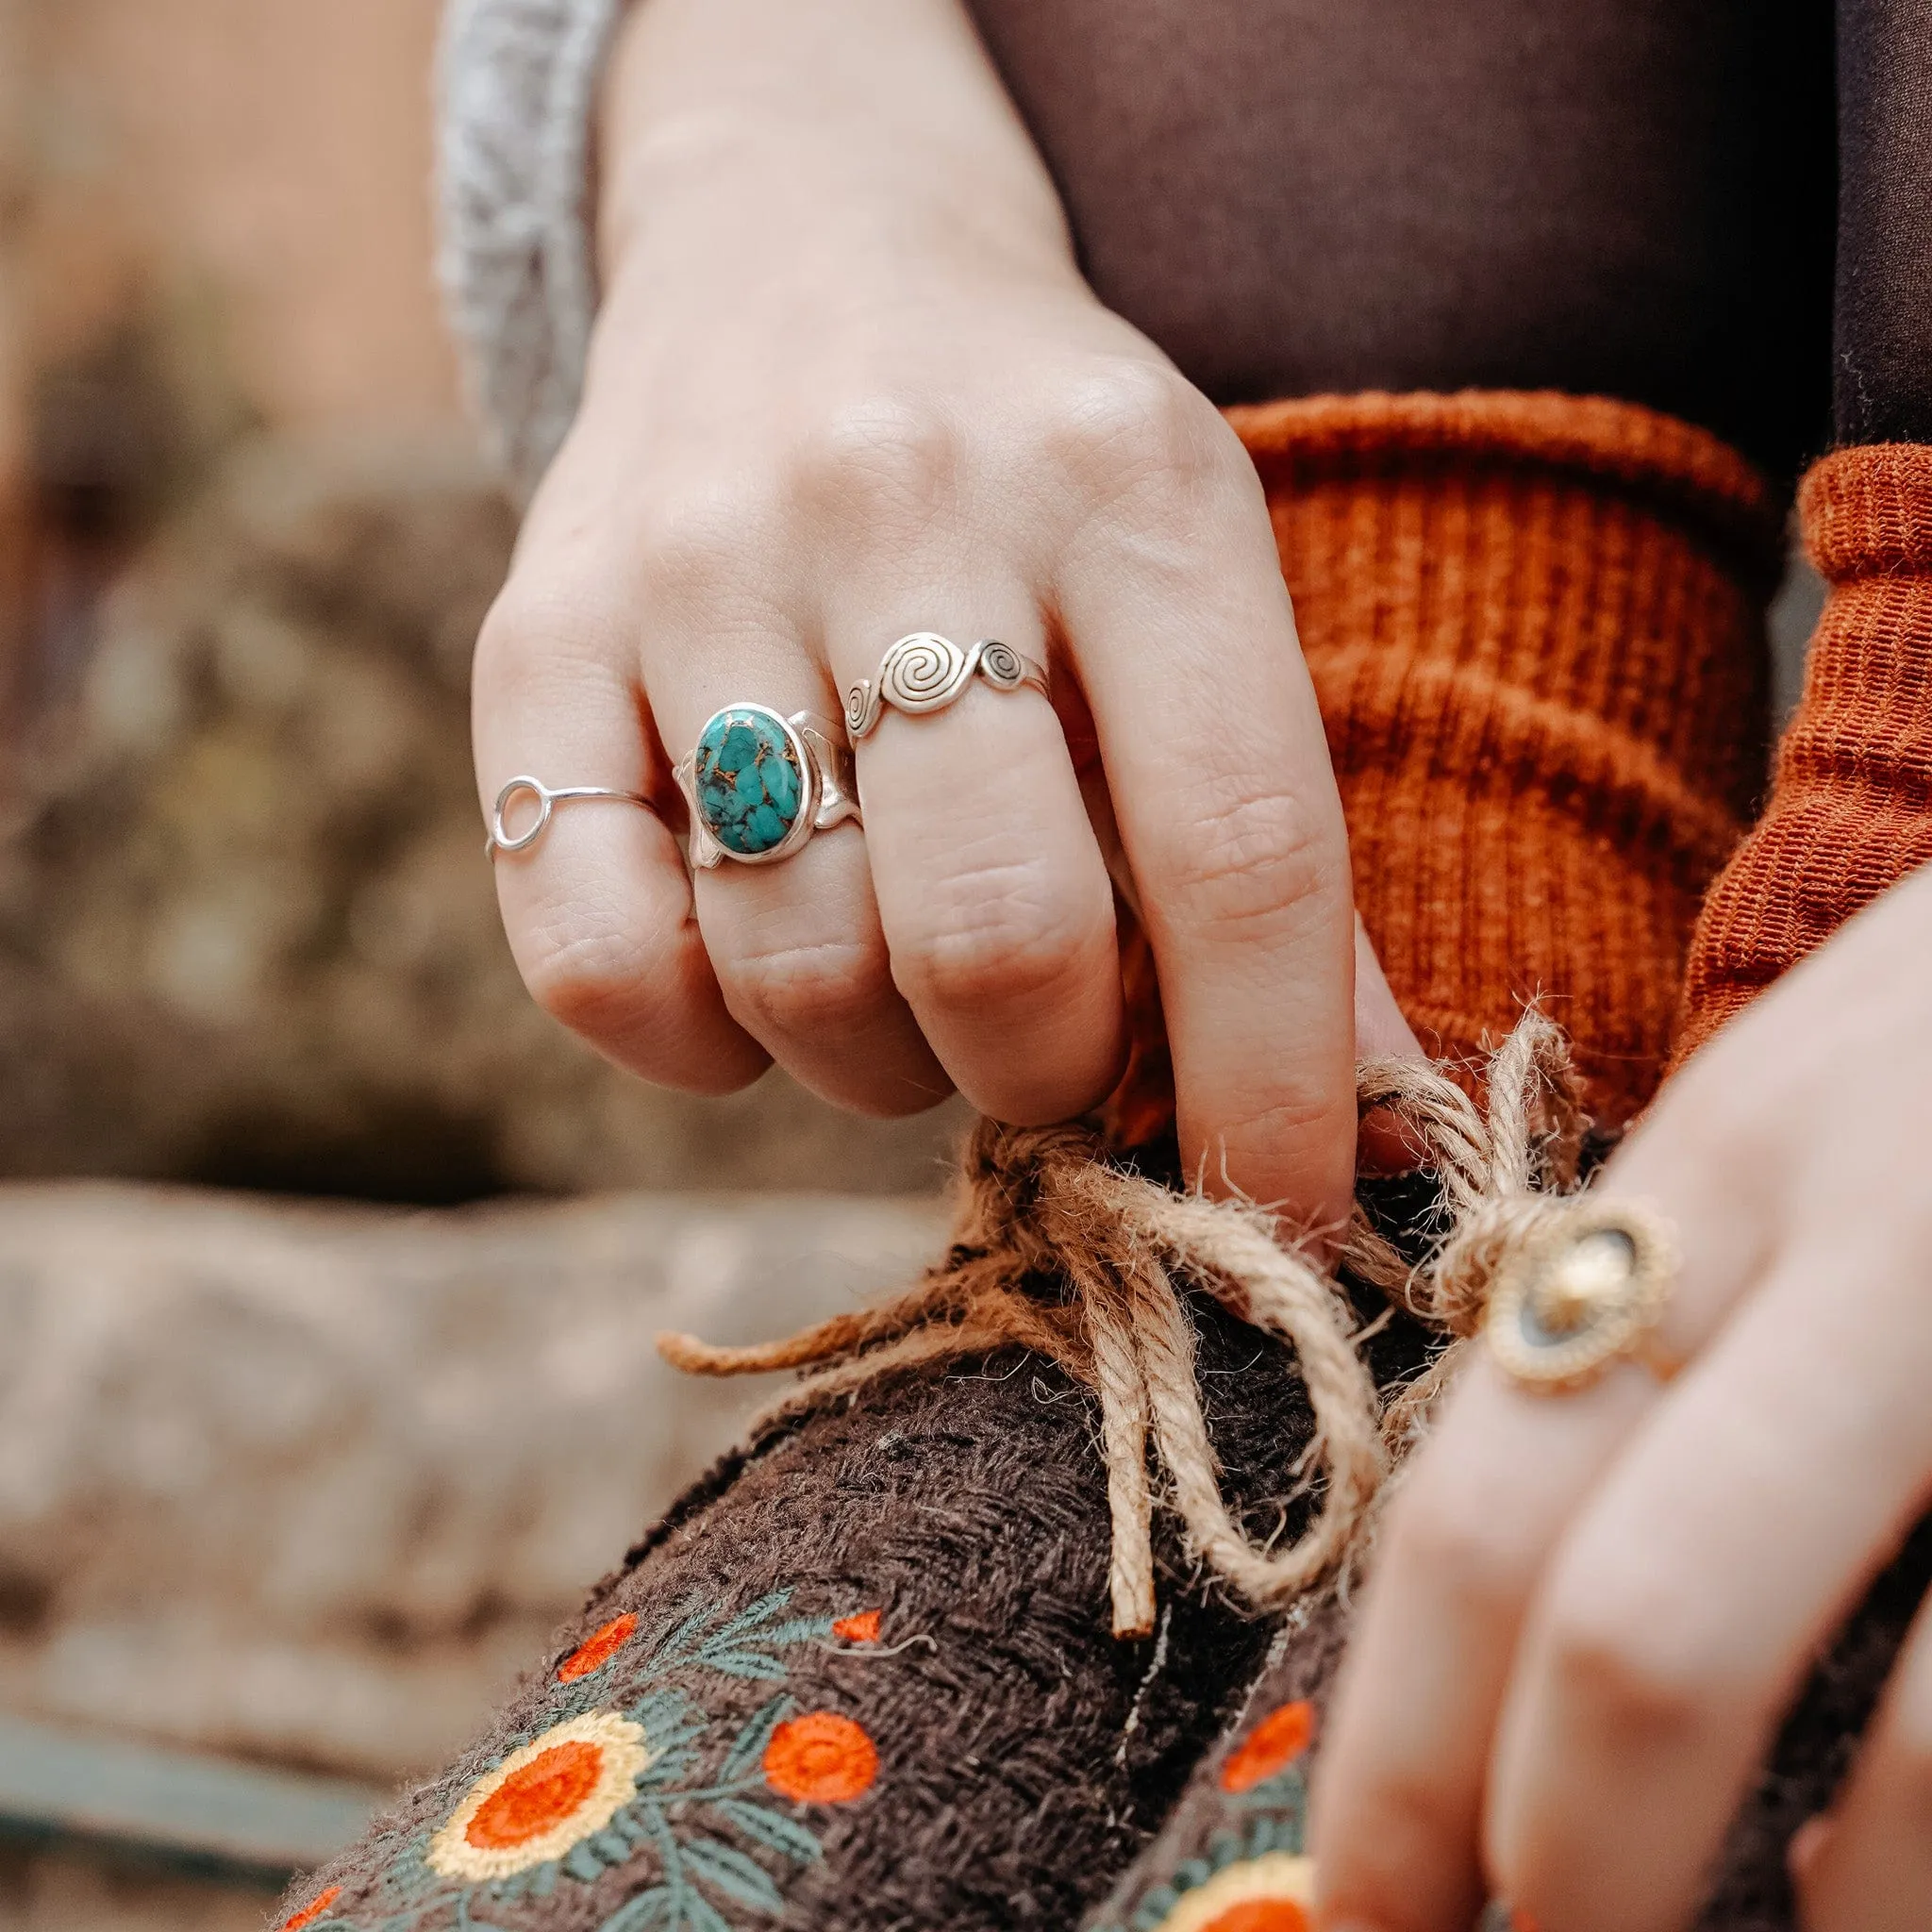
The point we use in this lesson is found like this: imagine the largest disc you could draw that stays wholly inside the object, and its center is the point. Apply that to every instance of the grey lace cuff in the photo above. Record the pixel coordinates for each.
(516, 87)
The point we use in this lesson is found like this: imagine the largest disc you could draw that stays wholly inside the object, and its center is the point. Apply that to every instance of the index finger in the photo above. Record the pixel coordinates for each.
(1179, 623)
(1493, 1496)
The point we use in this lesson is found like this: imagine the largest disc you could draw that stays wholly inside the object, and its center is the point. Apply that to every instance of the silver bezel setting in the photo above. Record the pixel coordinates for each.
(1550, 1362)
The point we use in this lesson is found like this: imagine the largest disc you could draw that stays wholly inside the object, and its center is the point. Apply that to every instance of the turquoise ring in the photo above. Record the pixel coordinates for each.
(760, 784)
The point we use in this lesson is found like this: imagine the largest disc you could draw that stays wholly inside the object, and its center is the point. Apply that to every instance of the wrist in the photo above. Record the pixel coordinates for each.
(707, 193)
(805, 150)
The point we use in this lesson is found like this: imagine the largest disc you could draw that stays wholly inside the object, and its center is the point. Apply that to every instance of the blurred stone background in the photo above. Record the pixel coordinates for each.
(286, 1482)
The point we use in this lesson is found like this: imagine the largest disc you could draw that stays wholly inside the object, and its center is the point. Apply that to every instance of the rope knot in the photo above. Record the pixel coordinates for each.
(1061, 1252)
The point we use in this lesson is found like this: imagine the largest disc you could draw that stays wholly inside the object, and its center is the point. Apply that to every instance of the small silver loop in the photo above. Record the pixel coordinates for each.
(500, 841)
(497, 840)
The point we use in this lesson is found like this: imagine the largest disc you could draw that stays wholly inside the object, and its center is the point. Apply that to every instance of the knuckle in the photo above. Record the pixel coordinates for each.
(999, 934)
(545, 619)
(692, 542)
(1242, 863)
(1615, 1662)
(884, 459)
(813, 988)
(1138, 429)
(1463, 1553)
(594, 982)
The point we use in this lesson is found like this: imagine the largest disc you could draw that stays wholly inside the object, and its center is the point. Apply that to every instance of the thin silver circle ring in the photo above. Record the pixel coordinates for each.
(498, 839)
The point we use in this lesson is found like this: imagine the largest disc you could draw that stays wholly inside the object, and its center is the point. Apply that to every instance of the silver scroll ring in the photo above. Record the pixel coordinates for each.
(926, 673)
(500, 839)
(758, 784)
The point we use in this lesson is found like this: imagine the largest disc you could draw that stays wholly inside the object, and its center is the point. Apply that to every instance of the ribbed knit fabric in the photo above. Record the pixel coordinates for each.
(1851, 808)
(516, 80)
(1535, 624)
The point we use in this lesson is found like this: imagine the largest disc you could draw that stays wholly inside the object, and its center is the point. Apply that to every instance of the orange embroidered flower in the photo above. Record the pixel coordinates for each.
(821, 1759)
(597, 1649)
(862, 1627)
(1272, 1745)
(542, 1800)
(313, 1910)
(1262, 1915)
(1274, 1892)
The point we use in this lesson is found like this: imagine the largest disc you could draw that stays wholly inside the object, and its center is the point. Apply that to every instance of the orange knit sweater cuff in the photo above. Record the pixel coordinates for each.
(1535, 625)
(1851, 804)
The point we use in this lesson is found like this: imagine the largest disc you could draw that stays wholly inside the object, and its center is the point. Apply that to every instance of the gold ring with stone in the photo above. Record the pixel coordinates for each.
(760, 784)
(1583, 1291)
(925, 672)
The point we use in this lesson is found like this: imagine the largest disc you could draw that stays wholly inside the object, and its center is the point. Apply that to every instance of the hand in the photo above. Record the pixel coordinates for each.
(846, 384)
(1590, 1612)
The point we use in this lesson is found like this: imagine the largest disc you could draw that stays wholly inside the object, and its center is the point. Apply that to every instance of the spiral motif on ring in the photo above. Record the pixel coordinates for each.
(924, 671)
(1001, 665)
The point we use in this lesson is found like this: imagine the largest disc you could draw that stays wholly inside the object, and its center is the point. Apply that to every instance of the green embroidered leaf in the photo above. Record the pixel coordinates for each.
(1155, 1908)
(760, 1612)
(646, 1908)
(747, 1663)
(466, 1923)
(583, 1864)
(701, 1915)
(774, 1828)
(684, 1633)
(753, 1739)
(734, 1875)
(797, 1631)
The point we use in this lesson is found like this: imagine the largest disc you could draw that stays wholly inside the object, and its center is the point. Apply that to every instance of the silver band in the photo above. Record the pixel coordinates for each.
(497, 840)
(803, 783)
(926, 673)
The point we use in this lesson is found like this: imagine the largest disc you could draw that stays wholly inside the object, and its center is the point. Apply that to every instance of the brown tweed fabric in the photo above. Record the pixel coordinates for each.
(982, 1754)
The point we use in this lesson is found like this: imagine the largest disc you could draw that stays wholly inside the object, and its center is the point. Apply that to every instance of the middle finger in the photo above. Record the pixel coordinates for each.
(994, 897)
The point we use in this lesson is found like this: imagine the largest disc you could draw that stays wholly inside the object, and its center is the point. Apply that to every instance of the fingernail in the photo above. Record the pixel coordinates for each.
(1806, 1842)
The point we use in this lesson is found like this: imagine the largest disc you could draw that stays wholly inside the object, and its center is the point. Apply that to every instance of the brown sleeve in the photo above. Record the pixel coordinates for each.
(1882, 326)
(1850, 812)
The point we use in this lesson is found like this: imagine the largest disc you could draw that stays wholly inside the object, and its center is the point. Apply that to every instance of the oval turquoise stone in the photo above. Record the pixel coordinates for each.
(749, 788)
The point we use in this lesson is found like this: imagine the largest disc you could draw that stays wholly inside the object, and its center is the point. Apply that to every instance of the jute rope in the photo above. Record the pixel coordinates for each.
(1059, 1252)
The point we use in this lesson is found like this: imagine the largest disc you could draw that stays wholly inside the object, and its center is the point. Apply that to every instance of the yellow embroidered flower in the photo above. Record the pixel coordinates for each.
(544, 1799)
(1274, 1892)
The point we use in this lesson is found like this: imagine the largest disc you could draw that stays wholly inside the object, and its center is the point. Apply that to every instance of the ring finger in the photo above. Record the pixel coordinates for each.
(1399, 1805)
